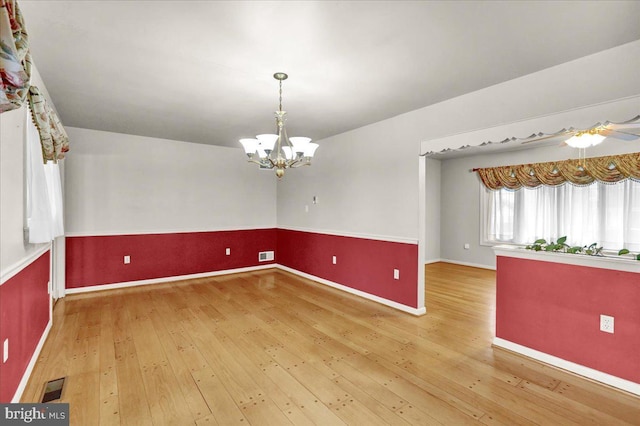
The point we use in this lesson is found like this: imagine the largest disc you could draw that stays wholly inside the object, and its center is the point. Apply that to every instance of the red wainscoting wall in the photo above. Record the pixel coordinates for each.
(362, 264)
(24, 314)
(555, 308)
(99, 260)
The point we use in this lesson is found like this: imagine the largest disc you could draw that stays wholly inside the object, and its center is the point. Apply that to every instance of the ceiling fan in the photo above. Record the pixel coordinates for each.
(628, 131)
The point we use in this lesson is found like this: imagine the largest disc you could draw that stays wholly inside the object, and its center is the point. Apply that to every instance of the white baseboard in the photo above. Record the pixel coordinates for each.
(428, 261)
(387, 302)
(32, 363)
(165, 279)
(381, 300)
(474, 265)
(590, 373)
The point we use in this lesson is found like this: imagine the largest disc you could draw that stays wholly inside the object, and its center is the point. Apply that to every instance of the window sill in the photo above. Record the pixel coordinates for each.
(487, 243)
(615, 262)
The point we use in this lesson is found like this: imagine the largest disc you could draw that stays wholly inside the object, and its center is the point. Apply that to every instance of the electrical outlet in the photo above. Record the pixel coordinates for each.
(467, 246)
(606, 323)
(306, 208)
(227, 251)
(5, 351)
(335, 260)
(396, 274)
(127, 260)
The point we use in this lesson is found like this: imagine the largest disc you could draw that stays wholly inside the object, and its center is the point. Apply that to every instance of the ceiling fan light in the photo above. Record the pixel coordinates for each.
(584, 140)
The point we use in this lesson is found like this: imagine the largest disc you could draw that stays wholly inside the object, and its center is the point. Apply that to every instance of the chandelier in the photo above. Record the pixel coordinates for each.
(585, 139)
(279, 152)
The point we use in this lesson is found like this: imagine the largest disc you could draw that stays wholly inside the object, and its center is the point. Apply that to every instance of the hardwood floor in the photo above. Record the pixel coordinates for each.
(272, 348)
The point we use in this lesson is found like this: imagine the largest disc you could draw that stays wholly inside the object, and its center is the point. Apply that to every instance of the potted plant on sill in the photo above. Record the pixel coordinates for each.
(624, 251)
(560, 246)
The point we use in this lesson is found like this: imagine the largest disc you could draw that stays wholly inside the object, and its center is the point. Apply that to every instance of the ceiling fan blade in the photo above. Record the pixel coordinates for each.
(568, 134)
(619, 134)
(624, 126)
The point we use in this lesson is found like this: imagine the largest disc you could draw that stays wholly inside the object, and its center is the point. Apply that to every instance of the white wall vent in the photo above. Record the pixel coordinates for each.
(265, 256)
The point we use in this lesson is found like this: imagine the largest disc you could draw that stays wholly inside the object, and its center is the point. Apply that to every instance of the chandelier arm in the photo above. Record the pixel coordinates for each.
(302, 161)
(297, 162)
(261, 163)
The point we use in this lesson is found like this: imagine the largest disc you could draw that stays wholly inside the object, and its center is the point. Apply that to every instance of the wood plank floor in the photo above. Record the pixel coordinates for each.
(272, 348)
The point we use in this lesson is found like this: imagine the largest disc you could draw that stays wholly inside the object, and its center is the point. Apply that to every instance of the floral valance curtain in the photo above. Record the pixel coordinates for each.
(609, 169)
(53, 137)
(15, 88)
(15, 59)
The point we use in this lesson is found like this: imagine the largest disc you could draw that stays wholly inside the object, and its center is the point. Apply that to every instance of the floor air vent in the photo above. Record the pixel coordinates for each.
(53, 390)
(265, 256)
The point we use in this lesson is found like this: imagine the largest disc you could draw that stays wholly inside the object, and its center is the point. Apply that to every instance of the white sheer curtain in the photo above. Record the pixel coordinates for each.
(54, 186)
(44, 191)
(606, 214)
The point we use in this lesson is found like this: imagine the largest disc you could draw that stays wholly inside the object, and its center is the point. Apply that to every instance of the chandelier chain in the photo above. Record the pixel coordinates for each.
(280, 106)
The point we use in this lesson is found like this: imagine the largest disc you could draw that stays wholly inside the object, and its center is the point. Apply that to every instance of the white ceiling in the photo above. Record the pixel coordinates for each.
(202, 71)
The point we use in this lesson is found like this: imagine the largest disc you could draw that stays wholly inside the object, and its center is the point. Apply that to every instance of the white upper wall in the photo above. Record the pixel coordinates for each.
(12, 138)
(125, 184)
(367, 179)
(13, 249)
(366, 184)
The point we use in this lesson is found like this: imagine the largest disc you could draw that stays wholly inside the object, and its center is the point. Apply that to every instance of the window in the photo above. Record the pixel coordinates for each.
(43, 191)
(607, 214)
